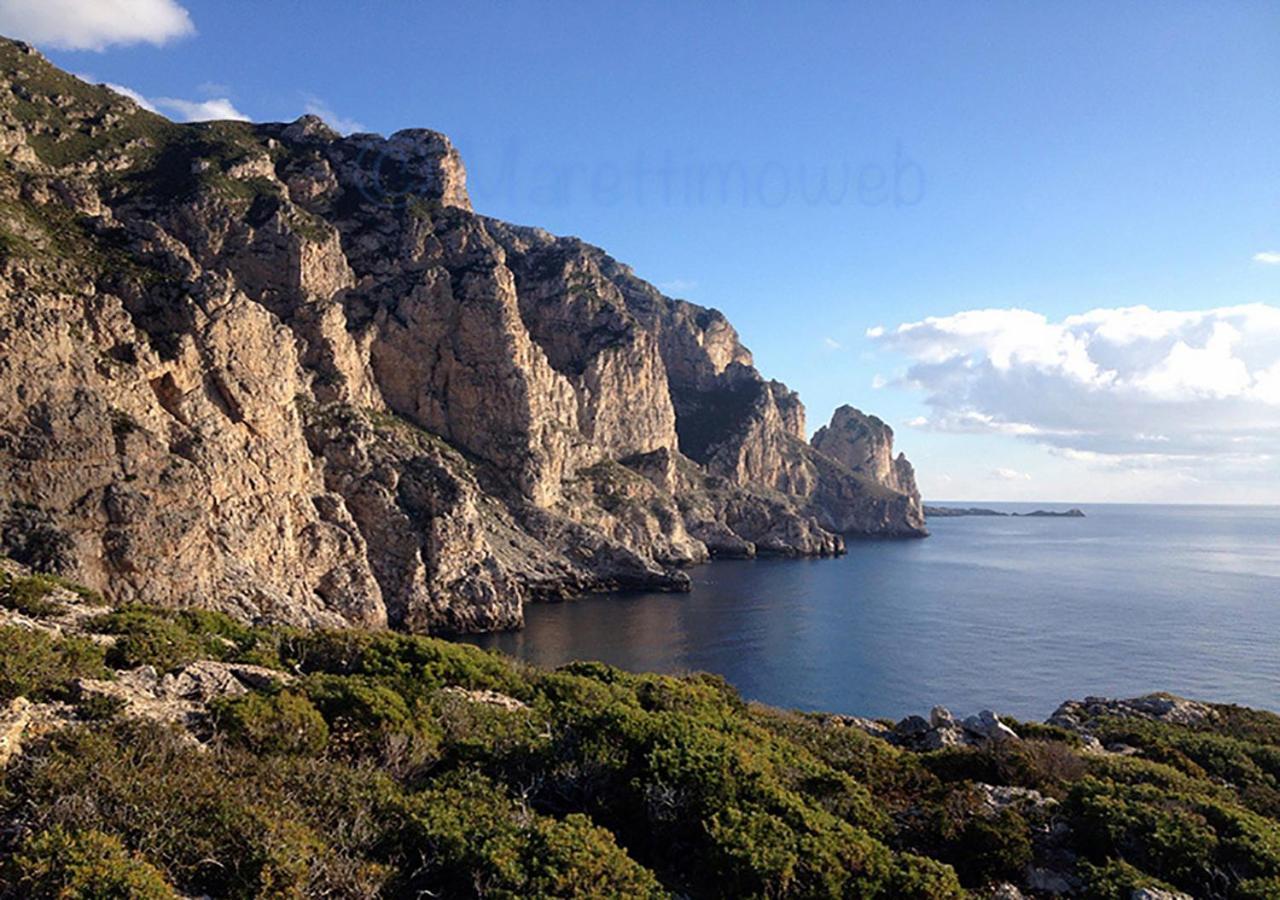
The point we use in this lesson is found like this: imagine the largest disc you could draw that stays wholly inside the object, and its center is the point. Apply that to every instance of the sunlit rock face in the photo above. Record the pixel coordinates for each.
(275, 371)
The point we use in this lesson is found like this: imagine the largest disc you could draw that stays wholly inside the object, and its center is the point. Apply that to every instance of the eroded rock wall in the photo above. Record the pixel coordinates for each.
(292, 375)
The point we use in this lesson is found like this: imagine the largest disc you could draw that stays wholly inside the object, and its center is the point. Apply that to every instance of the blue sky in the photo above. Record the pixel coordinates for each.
(1052, 158)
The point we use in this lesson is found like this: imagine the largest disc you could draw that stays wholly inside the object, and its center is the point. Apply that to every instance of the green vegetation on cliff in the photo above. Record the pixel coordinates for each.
(379, 764)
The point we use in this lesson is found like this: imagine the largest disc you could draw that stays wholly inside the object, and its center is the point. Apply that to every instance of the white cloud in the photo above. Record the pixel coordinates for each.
(832, 344)
(1010, 474)
(132, 95)
(1269, 257)
(94, 24)
(317, 107)
(1108, 386)
(183, 110)
(200, 110)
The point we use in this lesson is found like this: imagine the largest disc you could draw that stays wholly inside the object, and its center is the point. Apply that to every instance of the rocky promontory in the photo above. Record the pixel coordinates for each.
(294, 376)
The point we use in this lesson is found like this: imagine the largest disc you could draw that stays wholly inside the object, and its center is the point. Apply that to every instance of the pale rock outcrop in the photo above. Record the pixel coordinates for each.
(1150, 893)
(864, 444)
(182, 696)
(14, 720)
(1079, 715)
(424, 519)
(485, 698)
(942, 729)
(24, 721)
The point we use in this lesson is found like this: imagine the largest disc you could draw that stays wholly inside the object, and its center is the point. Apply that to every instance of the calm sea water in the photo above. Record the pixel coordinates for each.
(1014, 614)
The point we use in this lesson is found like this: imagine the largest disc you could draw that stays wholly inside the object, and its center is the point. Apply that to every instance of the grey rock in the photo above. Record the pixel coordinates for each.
(987, 725)
(941, 717)
(1079, 715)
(912, 727)
(1049, 881)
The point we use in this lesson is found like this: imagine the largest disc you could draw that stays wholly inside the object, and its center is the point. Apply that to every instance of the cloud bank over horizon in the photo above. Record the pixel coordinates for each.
(1194, 392)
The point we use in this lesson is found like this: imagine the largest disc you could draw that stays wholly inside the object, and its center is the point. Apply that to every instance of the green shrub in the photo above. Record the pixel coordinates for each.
(414, 666)
(480, 841)
(218, 822)
(923, 878)
(36, 665)
(1046, 766)
(1241, 758)
(982, 844)
(161, 644)
(365, 778)
(1191, 840)
(1259, 889)
(285, 722)
(993, 847)
(1115, 880)
(368, 719)
(29, 595)
(169, 639)
(83, 865)
(94, 707)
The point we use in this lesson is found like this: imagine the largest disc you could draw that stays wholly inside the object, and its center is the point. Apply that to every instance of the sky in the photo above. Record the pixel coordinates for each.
(1042, 240)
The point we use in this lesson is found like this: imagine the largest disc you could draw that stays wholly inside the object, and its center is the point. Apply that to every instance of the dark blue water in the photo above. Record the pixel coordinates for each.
(1015, 614)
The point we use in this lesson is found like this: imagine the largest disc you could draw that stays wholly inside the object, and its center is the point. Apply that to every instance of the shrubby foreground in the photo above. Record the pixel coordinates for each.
(156, 753)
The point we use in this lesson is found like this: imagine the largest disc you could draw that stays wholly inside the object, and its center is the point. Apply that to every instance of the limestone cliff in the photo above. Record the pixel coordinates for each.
(273, 370)
(863, 446)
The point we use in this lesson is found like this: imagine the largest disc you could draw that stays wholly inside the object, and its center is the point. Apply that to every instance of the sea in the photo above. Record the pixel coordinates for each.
(1013, 614)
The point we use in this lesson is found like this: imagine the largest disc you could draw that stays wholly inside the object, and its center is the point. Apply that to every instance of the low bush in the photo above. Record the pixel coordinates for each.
(284, 722)
(169, 639)
(36, 665)
(478, 840)
(29, 595)
(58, 864)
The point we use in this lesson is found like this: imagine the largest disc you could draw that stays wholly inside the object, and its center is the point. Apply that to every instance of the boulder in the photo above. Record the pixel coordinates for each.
(986, 725)
(942, 730)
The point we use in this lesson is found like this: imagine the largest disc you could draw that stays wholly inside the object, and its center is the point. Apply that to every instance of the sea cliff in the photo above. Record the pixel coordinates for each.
(293, 376)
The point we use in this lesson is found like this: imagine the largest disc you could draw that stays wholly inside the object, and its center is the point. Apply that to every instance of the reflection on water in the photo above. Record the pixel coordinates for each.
(1015, 614)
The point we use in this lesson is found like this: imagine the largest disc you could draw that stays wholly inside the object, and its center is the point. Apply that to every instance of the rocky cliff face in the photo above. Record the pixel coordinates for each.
(861, 446)
(276, 371)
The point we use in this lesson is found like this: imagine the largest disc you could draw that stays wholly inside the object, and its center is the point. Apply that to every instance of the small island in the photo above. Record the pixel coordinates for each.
(950, 512)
